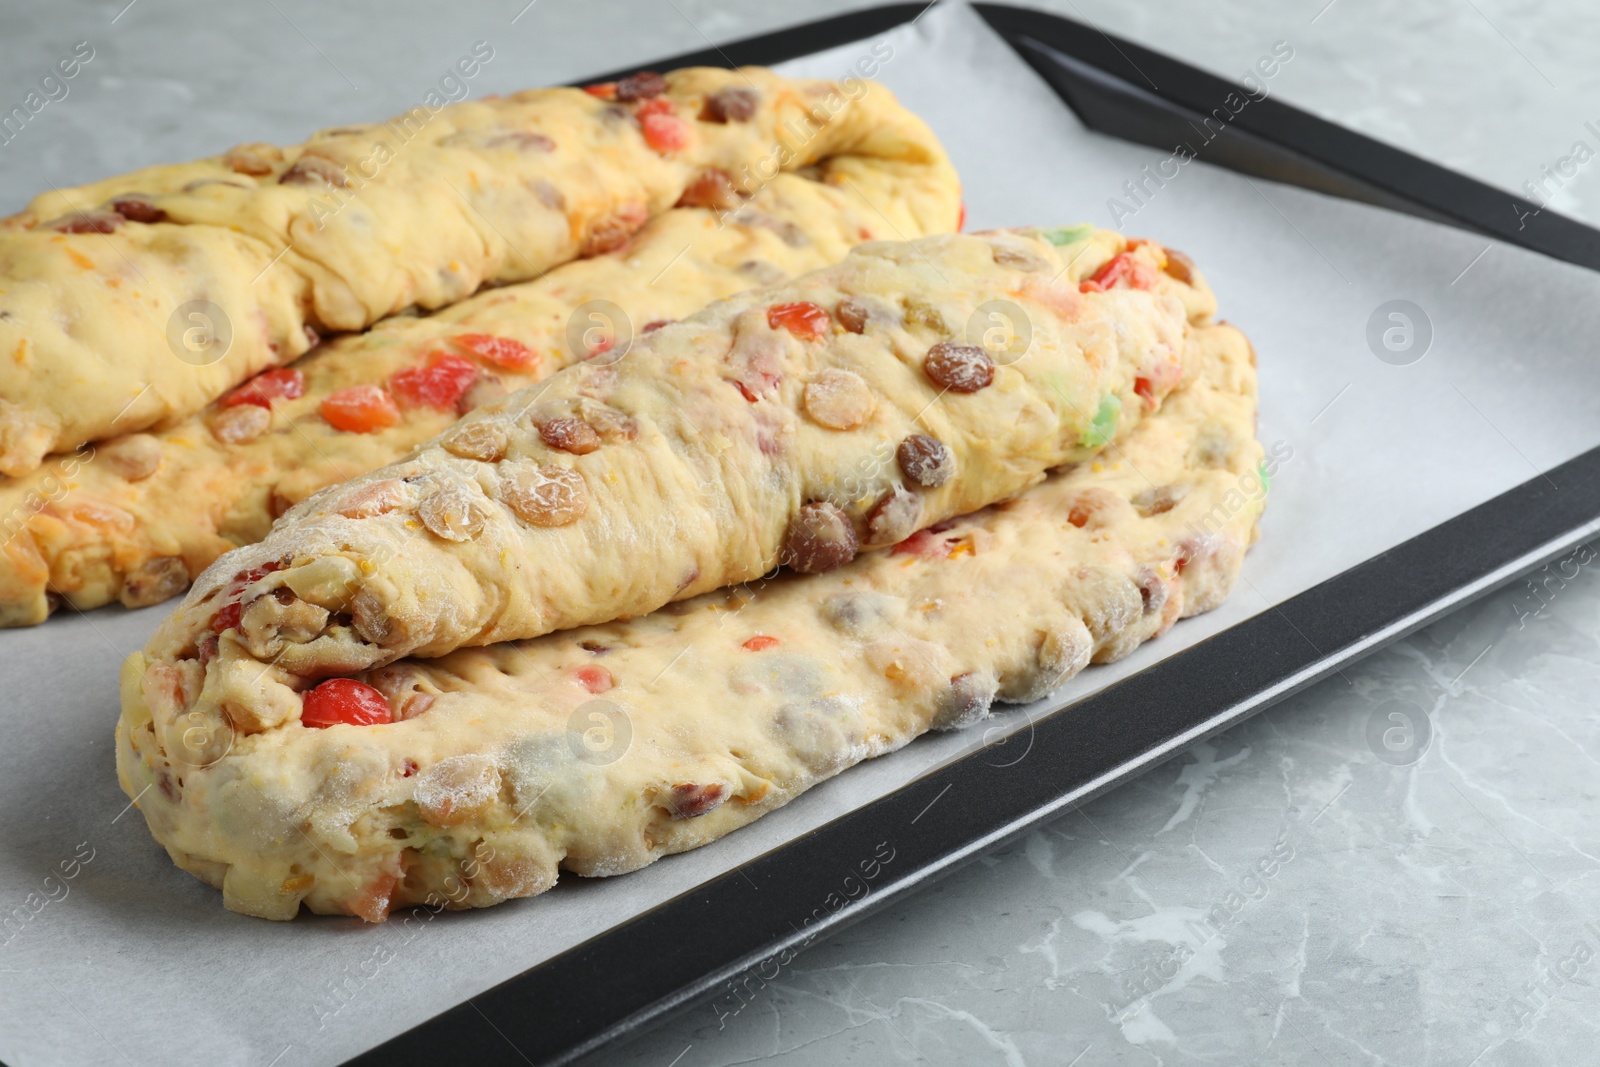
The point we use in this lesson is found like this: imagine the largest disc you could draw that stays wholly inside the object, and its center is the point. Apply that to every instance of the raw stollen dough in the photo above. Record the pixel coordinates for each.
(598, 750)
(272, 247)
(135, 518)
(791, 424)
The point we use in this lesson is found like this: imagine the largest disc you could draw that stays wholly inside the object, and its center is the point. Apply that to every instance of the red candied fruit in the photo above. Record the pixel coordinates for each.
(284, 383)
(1121, 269)
(438, 383)
(359, 409)
(504, 352)
(760, 643)
(604, 90)
(665, 133)
(345, 700)
(228, 617)
(805, 320)
(593, 677)
(1146, 390)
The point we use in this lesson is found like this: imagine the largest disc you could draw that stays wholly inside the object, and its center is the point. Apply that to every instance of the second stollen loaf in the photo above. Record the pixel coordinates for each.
(799, 424)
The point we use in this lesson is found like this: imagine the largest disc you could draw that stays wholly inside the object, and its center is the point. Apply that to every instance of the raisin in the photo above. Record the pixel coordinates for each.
(730, 105)
(482, 440)
(256, 159)
(451, 513)
(521, 141)
(237, 425)
(894, 518)
(1152, 590)
(87, 222)
(958, 368)
(642, 86)
(711, 189)
(839, 399)
(569, 435)
(153, 581)
(820, 538)
(1161, 500)
(922, 313)
(1179, 267)
(653, 326)
(1018, 258)
(612, 232)
(549, 195)
(925, 460)
(309, 169)
(852, 316)
(134, 457)
(546, 496)
(689, 801)
(136, 208)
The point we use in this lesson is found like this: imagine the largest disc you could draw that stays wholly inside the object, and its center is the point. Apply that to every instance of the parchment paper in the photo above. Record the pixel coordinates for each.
(131, 960)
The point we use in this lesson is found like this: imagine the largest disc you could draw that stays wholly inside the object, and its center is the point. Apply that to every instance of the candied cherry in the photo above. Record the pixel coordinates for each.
(285, 383)
(805, 320)
(1146, 390)
(227, 618)
(360, 409)
(438, 383)
(345, 700)
(760, 643)
(501, 351)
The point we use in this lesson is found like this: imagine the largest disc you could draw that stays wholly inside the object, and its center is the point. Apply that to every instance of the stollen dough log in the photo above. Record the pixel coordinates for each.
(600, 749)
(793, 424)
(134, 301)
(135, 518)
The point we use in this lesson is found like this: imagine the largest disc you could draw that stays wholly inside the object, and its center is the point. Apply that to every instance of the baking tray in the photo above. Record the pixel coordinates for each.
(142, 954)
(748, 921)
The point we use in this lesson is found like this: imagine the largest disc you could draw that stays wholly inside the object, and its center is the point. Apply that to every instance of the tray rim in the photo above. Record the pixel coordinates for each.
(712, 926)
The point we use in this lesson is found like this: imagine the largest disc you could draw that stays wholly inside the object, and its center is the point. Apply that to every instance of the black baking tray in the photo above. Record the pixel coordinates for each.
(690, 946)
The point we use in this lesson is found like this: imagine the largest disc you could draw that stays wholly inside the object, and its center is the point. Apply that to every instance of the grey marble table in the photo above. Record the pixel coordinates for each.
(1398, 866)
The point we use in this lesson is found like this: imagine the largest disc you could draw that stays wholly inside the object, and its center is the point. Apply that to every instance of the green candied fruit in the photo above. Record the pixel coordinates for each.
(1104, 426)
(1066, 235)
(1266, 479)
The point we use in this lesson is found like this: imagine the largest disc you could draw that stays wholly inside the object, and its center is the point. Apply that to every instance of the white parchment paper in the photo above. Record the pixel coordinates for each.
(130, 960)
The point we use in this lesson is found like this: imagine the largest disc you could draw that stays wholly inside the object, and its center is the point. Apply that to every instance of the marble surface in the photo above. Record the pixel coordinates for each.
(1397, 866)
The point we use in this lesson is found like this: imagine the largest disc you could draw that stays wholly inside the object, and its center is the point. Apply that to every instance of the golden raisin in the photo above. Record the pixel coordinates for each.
(852, 315)
(546, 495)
(451, 513)
(483, 439)
(255, 159)
(569, 435)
